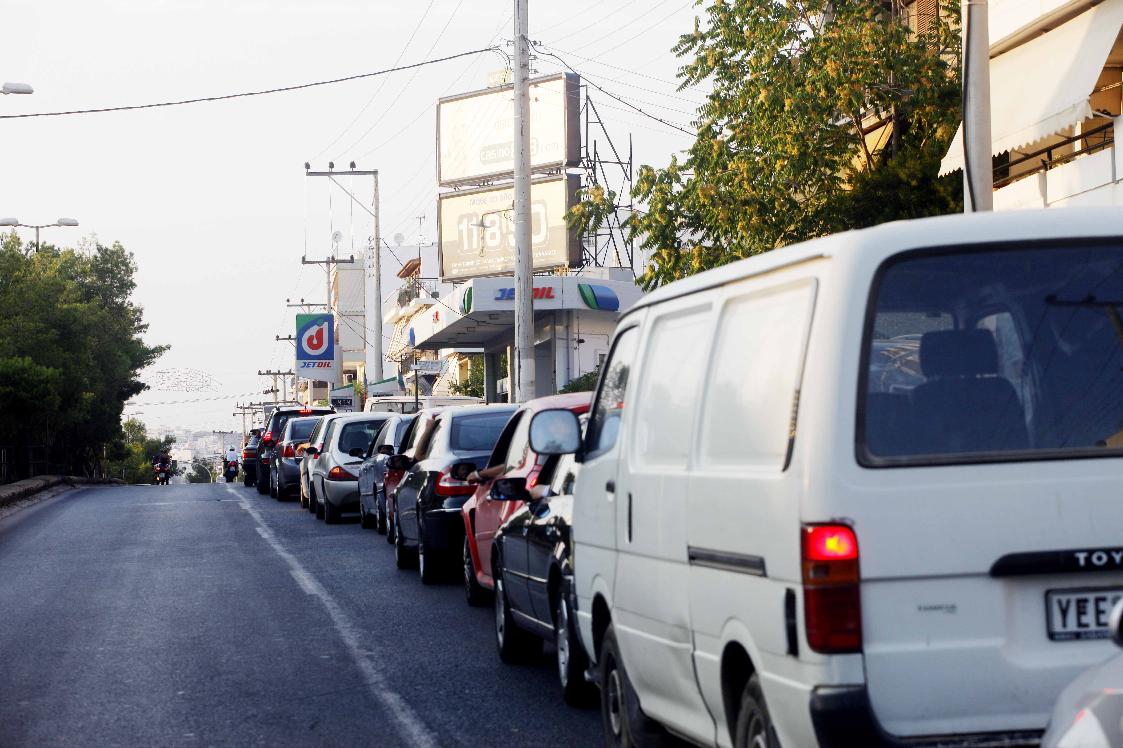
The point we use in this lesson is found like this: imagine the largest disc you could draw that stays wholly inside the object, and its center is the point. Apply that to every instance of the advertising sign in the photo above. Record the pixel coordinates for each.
(343, 399)
(476, 229)
(475, 140)
(315, 348)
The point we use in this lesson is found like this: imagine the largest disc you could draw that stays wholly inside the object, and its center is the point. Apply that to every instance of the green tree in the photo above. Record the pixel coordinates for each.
(474, 385)
(200, 472)
(130, 455)
(784, 150)
(70, 350)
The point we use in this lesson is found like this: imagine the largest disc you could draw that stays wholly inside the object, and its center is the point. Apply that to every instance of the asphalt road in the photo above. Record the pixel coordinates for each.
(212, 615)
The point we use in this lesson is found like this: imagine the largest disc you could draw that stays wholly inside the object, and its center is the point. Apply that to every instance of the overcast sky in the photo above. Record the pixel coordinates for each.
(212, 199)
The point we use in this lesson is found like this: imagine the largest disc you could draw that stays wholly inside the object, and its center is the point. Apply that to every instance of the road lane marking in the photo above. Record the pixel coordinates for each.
(412, 730)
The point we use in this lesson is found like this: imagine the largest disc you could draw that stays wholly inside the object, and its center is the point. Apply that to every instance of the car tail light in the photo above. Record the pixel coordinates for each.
(449, 486)
(305, 412)
(245, 453)
(289, 451)
(267, 439)
(832, 608)
(338, 473)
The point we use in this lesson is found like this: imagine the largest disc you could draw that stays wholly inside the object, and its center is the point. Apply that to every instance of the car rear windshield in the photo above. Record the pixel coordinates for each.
(359, 434)
(994, 354)
(301, 428)
(477, 432)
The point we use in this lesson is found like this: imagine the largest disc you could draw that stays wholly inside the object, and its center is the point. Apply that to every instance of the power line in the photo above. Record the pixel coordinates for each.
(245, 94)
(640, 33)
(611, 95)
(382, 83)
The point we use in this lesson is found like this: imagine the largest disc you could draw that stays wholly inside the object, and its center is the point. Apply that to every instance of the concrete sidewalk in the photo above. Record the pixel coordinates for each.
(20, 490)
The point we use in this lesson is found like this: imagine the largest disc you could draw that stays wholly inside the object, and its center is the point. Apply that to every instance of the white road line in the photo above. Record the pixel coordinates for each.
(410, 726)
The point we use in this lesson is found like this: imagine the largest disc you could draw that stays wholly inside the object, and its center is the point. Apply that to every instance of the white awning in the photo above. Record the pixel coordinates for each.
(1043, 86)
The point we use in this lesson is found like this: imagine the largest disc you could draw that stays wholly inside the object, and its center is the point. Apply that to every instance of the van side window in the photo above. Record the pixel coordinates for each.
(749, 414)
(667, 403)
(604, 424)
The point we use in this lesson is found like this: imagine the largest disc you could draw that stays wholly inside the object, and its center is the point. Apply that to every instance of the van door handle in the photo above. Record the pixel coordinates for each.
(610, 486)
(629, 517)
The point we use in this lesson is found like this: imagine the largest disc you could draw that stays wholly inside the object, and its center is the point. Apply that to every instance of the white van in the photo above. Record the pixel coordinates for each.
(407, 404)
(864, 490)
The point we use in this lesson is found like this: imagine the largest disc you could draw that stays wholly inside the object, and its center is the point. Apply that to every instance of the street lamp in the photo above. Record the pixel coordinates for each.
(16, 88)
(14, 222)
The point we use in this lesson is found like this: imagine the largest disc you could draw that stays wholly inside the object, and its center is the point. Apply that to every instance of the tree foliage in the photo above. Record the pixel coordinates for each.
(784, 148)
(201, 472)
(473, 386)
(70, 350)
(130, 454)
(586, 382)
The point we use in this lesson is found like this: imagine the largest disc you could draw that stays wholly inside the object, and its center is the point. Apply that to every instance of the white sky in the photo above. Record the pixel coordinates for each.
(212, 199)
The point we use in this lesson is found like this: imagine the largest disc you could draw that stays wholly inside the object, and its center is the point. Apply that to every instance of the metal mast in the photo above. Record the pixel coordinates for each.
(523, 378)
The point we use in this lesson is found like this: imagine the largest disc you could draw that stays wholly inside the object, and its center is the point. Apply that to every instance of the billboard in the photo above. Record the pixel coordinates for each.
(315, 348)
(475, 140)
(476, 229)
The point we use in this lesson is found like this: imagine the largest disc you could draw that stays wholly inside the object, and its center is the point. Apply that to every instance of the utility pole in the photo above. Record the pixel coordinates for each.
(221, 451)
(284, 382)
(244, 411)
(523, 364)
(978, 175)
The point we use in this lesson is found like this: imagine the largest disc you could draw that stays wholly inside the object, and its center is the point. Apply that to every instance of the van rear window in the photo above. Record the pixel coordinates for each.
(994, 354)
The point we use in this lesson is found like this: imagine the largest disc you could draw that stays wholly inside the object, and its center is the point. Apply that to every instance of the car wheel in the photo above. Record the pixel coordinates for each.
(273, 489)
(391, 529)
(754, 725)
(513, 643)
(247, 480)
(311, 498)
(571, 659)
(427, 564)
(366, 519)
(404, 558)
(380, 516)
(320, 503)
(625, 724)
(474, 592)
(263, 485)
(332, 513)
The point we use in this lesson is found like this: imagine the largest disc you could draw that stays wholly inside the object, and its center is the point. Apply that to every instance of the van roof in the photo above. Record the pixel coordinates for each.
(887, 239)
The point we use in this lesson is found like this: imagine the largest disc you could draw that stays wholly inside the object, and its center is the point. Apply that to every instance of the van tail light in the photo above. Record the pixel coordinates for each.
(449, 486)
(338, 473)
(832, 609)
(289, 451)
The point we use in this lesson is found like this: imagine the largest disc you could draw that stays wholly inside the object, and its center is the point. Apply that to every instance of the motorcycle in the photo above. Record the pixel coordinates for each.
(231, 471)
(163, 474)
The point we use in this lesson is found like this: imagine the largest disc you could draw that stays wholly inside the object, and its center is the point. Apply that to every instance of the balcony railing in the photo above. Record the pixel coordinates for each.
(1096, 139)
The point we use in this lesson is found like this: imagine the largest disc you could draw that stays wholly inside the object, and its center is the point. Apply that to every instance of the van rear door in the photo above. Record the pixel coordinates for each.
(985, 496)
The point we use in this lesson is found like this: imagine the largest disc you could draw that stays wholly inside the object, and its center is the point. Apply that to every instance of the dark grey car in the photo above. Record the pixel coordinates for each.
(285, 469)
(372, 475)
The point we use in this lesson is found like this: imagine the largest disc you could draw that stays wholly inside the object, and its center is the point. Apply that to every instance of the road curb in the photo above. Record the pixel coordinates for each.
(27, 488)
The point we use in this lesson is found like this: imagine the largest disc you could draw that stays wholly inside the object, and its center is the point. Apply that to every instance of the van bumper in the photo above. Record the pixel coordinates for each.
(843, 716)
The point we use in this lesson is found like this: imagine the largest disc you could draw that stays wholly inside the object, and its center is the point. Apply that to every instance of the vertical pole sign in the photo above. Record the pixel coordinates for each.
(315, 348)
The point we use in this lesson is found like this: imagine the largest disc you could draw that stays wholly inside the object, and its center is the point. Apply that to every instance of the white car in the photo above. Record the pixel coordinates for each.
(858, 490)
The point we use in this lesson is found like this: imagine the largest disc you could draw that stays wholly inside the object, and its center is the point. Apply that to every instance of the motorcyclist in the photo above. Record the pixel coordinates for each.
(231, 456)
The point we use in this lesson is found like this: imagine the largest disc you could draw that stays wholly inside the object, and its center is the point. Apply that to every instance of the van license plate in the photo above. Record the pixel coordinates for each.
(1080, 614)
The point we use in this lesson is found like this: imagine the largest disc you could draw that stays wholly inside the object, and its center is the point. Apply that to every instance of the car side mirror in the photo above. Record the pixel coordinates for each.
(508, 489)
(399, 462)
(386, 449)
(1116, 624)
(310, 450)
(555, 432)
(461, 470)
(357, 452)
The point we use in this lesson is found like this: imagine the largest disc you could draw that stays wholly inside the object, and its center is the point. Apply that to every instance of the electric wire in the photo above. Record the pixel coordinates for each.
(620, 99)
(645, 30)
(246, 94)
(381, 84)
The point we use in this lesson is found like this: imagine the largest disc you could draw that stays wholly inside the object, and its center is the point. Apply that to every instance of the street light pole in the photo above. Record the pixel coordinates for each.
(14, 222)
(524, 262)
(978, 175)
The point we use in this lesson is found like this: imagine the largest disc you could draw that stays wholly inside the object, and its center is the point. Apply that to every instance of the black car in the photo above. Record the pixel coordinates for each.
(274, 427)
(533, 560)
(249, 457)
(372, 475)
(428, 524)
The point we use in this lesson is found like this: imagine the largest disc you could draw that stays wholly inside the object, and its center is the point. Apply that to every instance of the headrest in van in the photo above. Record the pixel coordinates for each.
(958, 353)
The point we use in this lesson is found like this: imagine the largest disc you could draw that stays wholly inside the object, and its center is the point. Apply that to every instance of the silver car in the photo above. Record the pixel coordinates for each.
(334, 471)
(372, 475)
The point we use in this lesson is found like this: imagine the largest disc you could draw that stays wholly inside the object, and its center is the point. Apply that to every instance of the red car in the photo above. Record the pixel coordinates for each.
(513, 463)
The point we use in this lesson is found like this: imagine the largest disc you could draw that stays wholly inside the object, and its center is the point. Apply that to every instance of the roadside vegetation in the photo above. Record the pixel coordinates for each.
(70, 353)
(825, 115)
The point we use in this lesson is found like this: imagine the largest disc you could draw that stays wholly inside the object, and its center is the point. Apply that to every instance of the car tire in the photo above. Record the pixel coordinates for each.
(247, 481)
(366, 519)
(319, 510)
(404, 558)
(263, 485)
(380, 517)
(754, 725)
(625, 724)
(391, 529)
(273, 489)
(474, 592)
(572, 661)
(428, 565)
(513, 644)
(331, 513)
